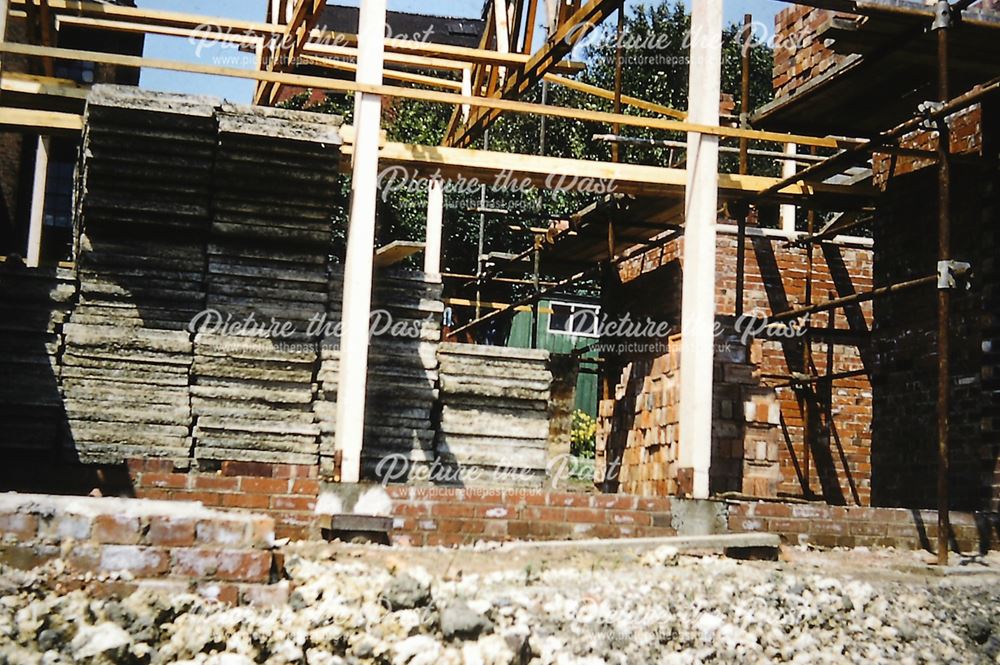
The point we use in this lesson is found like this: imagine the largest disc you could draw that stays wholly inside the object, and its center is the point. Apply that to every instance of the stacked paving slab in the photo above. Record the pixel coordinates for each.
(275, 188)
(35, 306)
(145, 194)
(494, 424)
(402, 384)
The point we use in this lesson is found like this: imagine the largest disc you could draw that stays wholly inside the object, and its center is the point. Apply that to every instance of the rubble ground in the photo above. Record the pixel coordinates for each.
(405, 606)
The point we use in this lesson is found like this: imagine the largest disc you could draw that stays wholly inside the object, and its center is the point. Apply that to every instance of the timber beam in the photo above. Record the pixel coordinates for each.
(496, 104)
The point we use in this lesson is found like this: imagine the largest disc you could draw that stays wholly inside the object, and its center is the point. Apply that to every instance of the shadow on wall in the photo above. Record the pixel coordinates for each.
(827, 458)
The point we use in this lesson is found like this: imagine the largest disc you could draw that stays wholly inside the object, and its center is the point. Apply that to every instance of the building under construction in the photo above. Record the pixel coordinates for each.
(832, 378)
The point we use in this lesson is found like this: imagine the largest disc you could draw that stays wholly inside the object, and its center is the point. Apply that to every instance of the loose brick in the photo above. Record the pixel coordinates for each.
(117, 529)
(140, 561)
(265, 595)
(222, 532)
(170, 531)
(63, 526)
(228, 565)
(22, 526)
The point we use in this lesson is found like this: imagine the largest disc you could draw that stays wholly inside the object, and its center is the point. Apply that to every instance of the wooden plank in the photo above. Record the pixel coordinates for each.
(626, 178)
(31, 119)
(338, 85)
(396, 251)
(42, 85)
(394, 74)
(580, 86)
(462, 302)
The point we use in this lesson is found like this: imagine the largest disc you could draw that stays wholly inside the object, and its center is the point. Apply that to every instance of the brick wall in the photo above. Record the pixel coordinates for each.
(799, 56)
(838, 469)
(452, 516)
(225, 555)
(285, 492)
(905, 343)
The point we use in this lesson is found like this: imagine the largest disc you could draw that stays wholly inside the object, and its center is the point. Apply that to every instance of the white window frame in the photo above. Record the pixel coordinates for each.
(574, 307)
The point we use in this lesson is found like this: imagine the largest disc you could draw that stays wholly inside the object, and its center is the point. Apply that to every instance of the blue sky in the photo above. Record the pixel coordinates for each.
(238, 90)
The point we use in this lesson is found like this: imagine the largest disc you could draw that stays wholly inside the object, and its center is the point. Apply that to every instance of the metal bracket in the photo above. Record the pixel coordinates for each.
(926, 109)
(942, 16)
(950, 272)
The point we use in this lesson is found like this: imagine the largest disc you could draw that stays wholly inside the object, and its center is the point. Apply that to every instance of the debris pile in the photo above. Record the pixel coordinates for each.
(662, 609)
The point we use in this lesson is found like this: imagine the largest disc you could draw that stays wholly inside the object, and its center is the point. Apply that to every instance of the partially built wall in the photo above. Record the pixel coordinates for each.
(759, 408)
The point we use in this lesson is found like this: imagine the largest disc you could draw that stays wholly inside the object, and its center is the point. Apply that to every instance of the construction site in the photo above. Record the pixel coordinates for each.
(515, 331)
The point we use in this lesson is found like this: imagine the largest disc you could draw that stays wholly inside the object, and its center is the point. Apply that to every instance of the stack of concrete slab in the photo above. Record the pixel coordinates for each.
(252, 399)
(126, 393)
(275, 191)
(145, 193)
(274, 197)
(402, 374)
(494, 413)
(145, 185)
(34, 306)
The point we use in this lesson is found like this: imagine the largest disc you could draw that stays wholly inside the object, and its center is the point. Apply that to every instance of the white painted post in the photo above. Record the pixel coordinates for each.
(38, 203)
(435, 220)
(788, 169)
(698, 293)
(466, 91)
(360, 245)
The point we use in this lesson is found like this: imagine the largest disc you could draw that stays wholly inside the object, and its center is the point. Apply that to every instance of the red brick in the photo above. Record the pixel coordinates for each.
(634, 517)
(453, 510)
(219, 483)
(206, 498)
(140, 561)
(398, 491)
(476, 495)
(443, 540)
(170, 531)
(265, 485)
(262, 530)
(265, 595)
(150, 464)
(615, 501)
(23, 526)
(496, 512)
(222, 532)
(118, 529)
(165, 480)
(305, 486)
(293, 503)
(462, 526)
(64, 526)
(27, 557)
(228, 594)
(229, 565)
(296, 471)
(654, 503)
(412, 509)
(570, 500)
(251, 501)
(585, 515)
(260, 469)
(544, 514)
